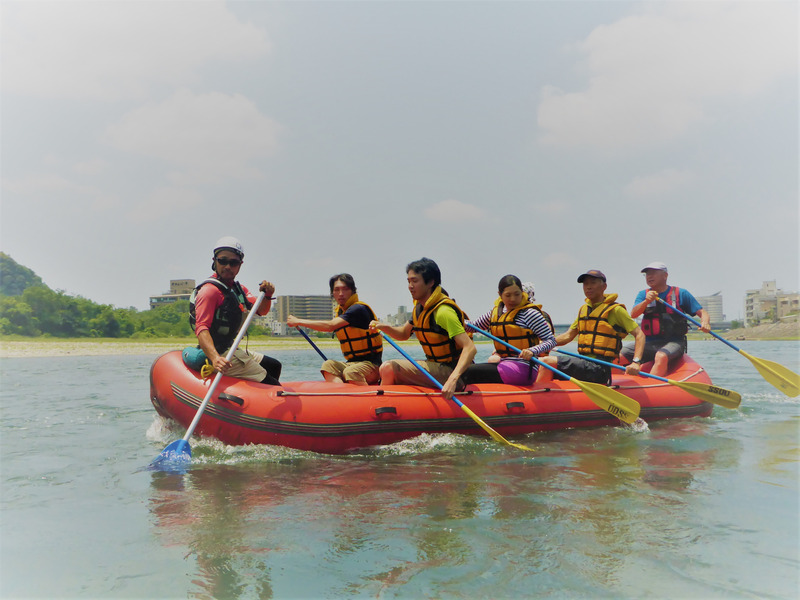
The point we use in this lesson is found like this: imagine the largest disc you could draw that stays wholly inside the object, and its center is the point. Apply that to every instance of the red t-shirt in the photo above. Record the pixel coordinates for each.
(208, 300)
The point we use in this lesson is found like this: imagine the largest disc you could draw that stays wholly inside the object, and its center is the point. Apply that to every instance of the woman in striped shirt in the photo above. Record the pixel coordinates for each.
(521, 323)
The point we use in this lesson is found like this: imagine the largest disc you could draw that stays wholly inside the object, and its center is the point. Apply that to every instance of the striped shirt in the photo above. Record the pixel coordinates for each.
(530, 318)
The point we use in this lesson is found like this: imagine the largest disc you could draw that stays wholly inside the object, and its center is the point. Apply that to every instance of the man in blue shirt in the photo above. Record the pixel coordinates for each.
(664, 329)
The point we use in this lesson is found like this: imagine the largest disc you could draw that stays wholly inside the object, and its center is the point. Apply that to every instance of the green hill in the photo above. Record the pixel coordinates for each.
(28, 307)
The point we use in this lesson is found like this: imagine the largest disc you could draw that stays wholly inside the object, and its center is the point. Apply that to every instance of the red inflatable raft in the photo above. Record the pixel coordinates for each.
(337, 418)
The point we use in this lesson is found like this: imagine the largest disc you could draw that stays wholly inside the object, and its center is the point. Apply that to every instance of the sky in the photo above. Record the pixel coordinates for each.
(535, 138)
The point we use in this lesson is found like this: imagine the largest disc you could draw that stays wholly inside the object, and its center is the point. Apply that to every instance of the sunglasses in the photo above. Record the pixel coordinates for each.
(233, 262)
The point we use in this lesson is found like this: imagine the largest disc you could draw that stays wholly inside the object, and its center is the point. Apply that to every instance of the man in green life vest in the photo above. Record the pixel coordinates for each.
(438, 323)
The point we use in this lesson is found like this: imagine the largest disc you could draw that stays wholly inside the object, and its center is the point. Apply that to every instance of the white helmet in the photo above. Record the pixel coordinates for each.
(229, 243)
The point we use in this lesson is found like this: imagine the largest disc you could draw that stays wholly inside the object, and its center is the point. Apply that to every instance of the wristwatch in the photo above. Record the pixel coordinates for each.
(638, 361)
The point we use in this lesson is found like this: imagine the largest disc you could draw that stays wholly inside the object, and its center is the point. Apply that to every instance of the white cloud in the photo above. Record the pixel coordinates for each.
(657, 184)
(452, 211)
(551, 209)
(163, 202)
(558, 260)
(208, 137)
(49, 186)
(109, 50)
(319, 262)
(654, 75)
(91, 167)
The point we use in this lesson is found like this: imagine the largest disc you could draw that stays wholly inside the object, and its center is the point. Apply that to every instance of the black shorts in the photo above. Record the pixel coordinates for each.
(674, 349)
(585, 370)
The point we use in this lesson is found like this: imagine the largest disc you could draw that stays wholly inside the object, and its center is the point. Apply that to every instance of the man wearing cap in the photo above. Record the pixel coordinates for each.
(601, 326)
(217, 309)
(664, 329)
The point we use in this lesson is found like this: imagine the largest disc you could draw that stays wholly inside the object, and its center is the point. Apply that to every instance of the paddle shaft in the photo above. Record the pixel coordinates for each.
(610, 364)
(313, 345)
(696, 322)
(776, 374)
(492, 433)
(518, 351)
(405, 354)
(624, 408)
(218, 376)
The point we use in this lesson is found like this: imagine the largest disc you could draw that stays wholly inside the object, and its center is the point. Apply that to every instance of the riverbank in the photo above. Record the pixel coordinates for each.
(768, 331)
(19, 347)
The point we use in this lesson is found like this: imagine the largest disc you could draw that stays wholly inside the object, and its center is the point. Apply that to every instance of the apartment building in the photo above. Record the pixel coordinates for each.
(179, 289)
(769, 303)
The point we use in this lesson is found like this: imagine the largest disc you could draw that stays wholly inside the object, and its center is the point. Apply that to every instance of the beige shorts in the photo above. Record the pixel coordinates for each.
(245, 365)
(408, 374)
(352, 371)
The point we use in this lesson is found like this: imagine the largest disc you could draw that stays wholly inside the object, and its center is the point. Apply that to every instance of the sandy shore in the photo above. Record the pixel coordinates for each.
(43, 347)
(50, 347)
(106, 347)
(768, 331)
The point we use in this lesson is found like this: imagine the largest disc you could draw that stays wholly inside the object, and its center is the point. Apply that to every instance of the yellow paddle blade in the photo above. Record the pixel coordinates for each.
(492, 433)
(782, 378)
(624, 408)
(710, 393)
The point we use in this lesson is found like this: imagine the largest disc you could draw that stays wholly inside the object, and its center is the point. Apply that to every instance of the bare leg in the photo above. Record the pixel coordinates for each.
(546, 374)
(660, 364)
(387, 374)
(331, 378)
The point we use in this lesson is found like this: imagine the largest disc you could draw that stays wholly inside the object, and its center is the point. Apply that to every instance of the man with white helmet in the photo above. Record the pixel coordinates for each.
(217, 309)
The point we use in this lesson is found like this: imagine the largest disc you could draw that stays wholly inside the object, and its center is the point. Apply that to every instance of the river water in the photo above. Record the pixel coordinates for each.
(697, 508)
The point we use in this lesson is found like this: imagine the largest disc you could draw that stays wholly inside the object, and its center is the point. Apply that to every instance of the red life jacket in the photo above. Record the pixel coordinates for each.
(659, 321)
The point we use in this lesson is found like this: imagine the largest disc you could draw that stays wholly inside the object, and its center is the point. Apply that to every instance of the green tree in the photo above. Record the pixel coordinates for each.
(28, 307)
(14, 278)
(16, 317)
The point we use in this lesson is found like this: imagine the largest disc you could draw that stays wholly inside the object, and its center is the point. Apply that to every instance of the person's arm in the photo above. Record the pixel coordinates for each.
(566, 337)
(401, 332)
(547, 341)
(206, 303)
(482, 322)
(269, 291)
(327, 326)
(468, 352)
(219, 362)
(705, 323)
(643, 299)
(638, 350)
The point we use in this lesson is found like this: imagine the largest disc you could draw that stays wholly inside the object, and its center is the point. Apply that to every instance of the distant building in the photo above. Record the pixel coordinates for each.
(769, 304)
(179, 289)
(713, 305)
(318, 308)
(401, 317)
(270, 321)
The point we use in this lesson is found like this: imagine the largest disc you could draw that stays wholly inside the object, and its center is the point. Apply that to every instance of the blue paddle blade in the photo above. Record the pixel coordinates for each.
(174, 457)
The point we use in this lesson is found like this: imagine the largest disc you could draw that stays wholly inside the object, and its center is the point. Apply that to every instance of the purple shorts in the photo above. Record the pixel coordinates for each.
(517, 372)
